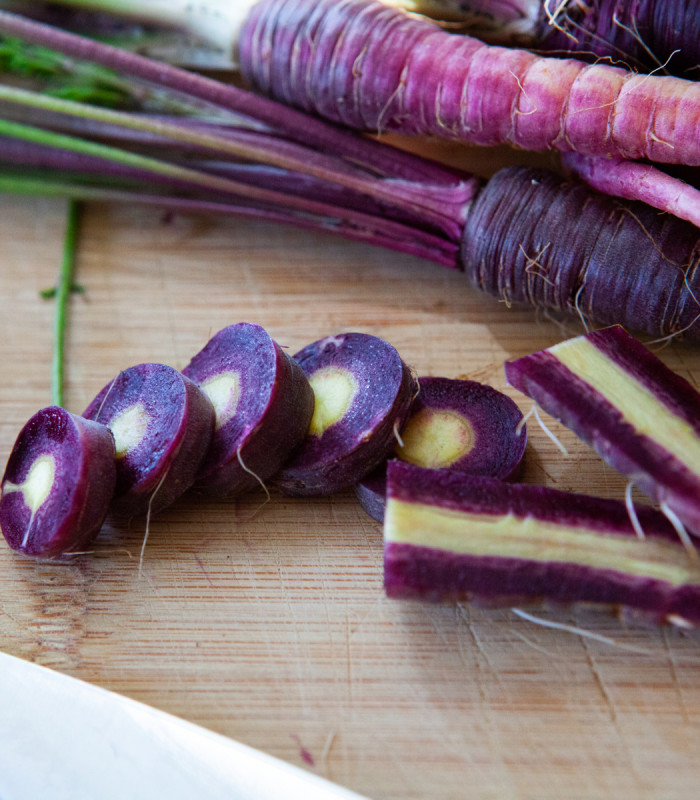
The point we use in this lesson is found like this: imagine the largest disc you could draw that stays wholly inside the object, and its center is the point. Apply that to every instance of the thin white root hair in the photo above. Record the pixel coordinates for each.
(254, 474)
(549, 433)
(414, 375)
(664, 340)
(534, 410)
(100, 552)
(527, 97)
(634, 33)
(631, 512)
(519, 427)
(563, 626)
(327, 746)
(104, 399)
(258, 479)
(687, 285)
(534, 261)
(387, 106)
(681, 531)
(552, 17)
(397, 435)
(627, 90)
(577, 306)
(148, 520)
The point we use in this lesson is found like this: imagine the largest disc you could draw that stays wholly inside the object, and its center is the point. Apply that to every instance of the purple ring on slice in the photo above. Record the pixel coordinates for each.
(58, 484)
(454, 424)
(363, 391)
(263, 405)
(162, 425)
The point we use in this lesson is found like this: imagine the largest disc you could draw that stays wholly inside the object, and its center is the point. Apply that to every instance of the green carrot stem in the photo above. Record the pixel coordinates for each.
(286, 158)
(63, 290)
(155, 166)
(170, 130)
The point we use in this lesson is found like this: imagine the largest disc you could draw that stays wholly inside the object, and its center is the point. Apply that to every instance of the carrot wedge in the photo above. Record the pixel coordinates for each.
(450, 536)
(641, 417)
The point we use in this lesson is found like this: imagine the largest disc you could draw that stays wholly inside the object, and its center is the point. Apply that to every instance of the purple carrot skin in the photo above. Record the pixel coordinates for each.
(454, 424)
(454, 537)
(162, 425)
(263, 404)
(363, 392)
(640, 416)
(58, 484)
(635, 181)
(645, 34)
(377, 68)
(532, 238)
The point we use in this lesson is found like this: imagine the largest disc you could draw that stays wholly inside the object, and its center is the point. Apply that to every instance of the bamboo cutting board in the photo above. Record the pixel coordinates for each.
(267, 622)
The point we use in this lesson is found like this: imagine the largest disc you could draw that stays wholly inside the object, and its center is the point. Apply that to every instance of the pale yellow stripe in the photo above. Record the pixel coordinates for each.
(635, 402)
(528, 538)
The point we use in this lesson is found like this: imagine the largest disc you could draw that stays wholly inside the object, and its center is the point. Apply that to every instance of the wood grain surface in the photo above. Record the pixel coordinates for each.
(267, 621)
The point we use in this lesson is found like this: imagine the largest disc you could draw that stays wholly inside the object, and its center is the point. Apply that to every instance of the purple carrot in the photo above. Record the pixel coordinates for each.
(627, 266)
(533, 238)
(288, 122)
(450, 537)
(620, 398)
(58, 484)
(644, 34)
(377, 68)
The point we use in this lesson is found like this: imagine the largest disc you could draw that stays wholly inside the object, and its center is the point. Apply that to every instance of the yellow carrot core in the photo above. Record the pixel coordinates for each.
(334, 390)
(36, 487)
(129, 427)
(436, 438)
(533, 539)
(224, 391)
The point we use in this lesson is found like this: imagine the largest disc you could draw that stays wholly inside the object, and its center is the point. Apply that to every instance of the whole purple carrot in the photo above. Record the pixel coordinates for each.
(374, 67)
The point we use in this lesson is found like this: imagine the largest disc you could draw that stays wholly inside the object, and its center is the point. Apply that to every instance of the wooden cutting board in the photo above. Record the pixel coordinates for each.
(266, 621)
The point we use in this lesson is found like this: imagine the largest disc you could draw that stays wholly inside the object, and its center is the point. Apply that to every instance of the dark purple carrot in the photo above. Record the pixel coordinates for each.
(374, 67)
(362, 394)
(450, 537)
(58, 484)
(644, 34)
(263, 405)
(639, 415)
(454, 424)
(532, 238)
(162, 425)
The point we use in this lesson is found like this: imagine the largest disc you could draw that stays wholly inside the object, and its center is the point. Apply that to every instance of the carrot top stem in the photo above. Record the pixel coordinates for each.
(63, 291)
